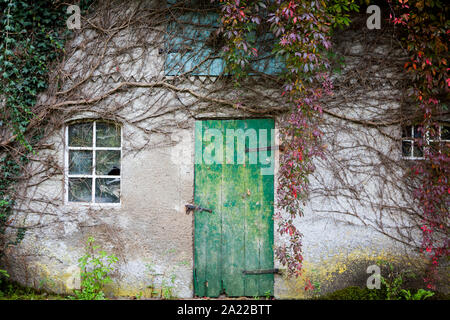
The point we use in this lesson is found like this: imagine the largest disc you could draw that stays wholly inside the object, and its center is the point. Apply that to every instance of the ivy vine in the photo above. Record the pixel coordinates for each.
(33, 34)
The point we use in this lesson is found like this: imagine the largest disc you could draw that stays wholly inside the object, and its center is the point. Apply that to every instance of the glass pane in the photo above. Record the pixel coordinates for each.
(417, 151)
(418, 130)
(80, 162)
(435, 147)
(445, 133)
(445, 147)
(107, 190)
(406, 132)
(80, 189)
(107, 162)
(406, 148)
(80, 134)
(108, 135)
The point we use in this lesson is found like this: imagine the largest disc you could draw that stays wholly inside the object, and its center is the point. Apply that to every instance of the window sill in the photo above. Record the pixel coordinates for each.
(96, 206)
(413, 158)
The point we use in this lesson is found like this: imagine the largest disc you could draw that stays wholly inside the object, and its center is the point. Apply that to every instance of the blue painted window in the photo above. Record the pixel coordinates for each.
(191, 48)
(266, 62)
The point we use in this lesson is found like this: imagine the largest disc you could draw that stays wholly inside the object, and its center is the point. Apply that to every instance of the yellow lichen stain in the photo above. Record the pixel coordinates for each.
(342, 269)
(328, 271)
(137, 291)
(71, 278)
(54, 279)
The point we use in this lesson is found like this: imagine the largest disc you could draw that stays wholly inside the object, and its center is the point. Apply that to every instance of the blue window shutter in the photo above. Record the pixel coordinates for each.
(187, 49)
(266, 62)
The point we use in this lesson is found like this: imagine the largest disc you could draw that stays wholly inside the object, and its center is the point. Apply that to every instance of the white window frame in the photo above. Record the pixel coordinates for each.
(427, 142)
(439, 140)
(92, 176)
(410, 140)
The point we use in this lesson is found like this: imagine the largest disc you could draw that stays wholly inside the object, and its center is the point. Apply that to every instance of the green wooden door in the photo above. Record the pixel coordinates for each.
(234, 178)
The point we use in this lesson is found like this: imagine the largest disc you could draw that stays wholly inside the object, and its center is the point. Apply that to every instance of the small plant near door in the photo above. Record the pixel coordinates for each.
(95, 265)
(45, 283)
(138, 296)
(165, 289)
(394, 282)
(3, 276)
(152, 272)
(315, 283)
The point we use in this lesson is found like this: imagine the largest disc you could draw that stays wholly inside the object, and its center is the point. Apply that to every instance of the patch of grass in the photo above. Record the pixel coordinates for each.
(357, 293)
(10, 290)
(440, 296)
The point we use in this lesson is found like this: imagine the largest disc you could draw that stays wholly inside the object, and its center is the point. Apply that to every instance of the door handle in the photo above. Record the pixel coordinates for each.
(191, 207)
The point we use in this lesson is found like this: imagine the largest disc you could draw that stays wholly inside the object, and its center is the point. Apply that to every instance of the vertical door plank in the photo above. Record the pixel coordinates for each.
(207, 246)
(253, 209)
(214, 196)
(233, 224)
(200, 226)
(266, 281)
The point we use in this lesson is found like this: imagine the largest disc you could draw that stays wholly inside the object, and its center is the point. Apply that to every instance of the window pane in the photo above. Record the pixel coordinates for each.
(107, 190)
(80, 162)
(445, 147)
(107, 135)
(417, 151)
(445, 133)
(107, 162)
(80, 135)
(80, 189)
(406, 132)
(435, 147)
(406, 148)
(418, 130)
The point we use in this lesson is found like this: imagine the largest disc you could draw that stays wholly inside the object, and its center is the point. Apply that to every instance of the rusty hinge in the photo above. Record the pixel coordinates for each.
(191, 207)
(266, 271)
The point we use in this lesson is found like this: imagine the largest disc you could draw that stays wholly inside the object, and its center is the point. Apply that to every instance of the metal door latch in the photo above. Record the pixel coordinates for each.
(191, 207)
(267, 271)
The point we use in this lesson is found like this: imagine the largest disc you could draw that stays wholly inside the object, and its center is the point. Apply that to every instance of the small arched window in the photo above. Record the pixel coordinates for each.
(93, 162)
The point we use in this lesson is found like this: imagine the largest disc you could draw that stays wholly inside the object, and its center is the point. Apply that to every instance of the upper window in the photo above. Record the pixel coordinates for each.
(411, 135)
(93, 154)
(193, 47)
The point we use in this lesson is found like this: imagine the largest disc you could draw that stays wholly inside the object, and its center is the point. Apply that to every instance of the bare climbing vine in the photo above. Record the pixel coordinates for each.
(119, 60)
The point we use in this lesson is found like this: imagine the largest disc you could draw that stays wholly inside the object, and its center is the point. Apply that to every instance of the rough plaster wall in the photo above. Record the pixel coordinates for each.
(340, 237)
(150, 232)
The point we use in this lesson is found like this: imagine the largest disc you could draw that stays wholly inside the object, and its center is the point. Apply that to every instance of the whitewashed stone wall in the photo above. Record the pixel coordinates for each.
(150, 231)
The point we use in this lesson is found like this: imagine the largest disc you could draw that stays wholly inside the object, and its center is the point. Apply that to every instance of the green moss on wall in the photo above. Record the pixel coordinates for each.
(343, 270)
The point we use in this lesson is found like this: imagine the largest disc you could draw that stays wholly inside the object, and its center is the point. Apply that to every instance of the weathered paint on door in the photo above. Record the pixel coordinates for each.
(237, 235)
